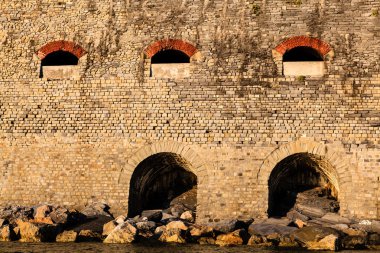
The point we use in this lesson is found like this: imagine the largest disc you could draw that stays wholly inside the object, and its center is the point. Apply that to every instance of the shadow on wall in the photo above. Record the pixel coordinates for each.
(158, 180)
(301, 181)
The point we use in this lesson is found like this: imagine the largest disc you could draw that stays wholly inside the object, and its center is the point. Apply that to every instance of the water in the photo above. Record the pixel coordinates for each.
(137, 248)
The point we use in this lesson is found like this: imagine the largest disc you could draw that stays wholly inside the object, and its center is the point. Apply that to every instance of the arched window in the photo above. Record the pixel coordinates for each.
(170, 58)
(301, 56)
(59, 60)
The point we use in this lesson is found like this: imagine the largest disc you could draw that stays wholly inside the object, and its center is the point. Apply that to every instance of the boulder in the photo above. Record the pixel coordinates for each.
(310, 211)
(176, 225)
(294, 215)
(287, 242)
(354, 242)
(299, 223)
(41, 212)
(67, 236)
(14, 213)
(368, 226)
(7, 234)
(273, 221)
(60, 215)
(173, 235)
(123, 233)
(32, 232)
(96, 209)
(185, 201)
(234, 238)
(109, 227)
(329, 242)
(335, 219)
(374, 241)
(317, 238)
(259, 241)
(226, 226)
(152, 215)
(266, 229)
(201, 231)
(187, 216)
(89, 236)
(146, 228)
(120, 219)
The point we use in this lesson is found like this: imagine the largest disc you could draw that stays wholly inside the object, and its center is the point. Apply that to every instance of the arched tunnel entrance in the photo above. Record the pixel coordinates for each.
(158, 180)
(302, 179)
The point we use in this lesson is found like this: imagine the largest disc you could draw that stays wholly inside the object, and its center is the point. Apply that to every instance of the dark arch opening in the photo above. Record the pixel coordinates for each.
(58, 58)
(158, 181)
(301, 180)
(170, 56)
(302, 54)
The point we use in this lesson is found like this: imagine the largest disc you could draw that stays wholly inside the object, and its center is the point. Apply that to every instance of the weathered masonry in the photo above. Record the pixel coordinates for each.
(132, 102)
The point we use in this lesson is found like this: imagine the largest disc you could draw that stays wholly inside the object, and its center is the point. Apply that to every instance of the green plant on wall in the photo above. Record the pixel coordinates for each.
(375, 13)
(256, 9)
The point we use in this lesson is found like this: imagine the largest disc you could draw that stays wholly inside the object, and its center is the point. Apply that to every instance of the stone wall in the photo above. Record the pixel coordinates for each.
(71, 141)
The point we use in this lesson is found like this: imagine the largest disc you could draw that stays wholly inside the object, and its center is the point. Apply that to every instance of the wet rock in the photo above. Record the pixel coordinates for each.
(152, 215)
(67, 236)
(266, 229)
(109, 227)
(259, 241)
(7, 234)
(234, 238)
(335, 219)
(123, 233)
(187, 216)
(317, 238)
(287, 242)
(206, 241)
(32, 232)
(173, 235)
(354, 242)
(89, 236)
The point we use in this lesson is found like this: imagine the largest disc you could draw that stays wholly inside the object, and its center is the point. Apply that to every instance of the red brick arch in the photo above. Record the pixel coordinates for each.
(303, 41)
(175, 44)
(63, 45)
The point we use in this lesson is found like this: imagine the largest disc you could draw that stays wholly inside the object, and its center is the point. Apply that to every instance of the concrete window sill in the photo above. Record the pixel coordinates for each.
(304, 68)
(171, 70)
(60, 72)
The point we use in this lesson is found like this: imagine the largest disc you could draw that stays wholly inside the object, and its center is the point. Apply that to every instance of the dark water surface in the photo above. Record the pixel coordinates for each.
(118, 248)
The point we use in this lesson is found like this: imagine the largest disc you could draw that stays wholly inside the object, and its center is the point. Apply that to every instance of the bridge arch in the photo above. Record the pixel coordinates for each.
(330, 163)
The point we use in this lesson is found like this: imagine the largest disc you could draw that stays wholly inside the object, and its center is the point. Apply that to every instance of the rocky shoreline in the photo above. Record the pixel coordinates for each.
(47, 223)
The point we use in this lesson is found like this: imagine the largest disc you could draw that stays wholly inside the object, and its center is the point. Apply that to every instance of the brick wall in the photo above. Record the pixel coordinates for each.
(70, 141)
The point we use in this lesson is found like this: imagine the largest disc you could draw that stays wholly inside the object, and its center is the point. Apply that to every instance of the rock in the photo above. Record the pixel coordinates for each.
(287, 242)
(109, 227)
(187, 216)
(266, 229)
(226, 226)
(186, 201)
(368, 226)
(31, 232)
(235, 238)
(120, 219)
(206, 241)
(94, 224)
(146, 225)
(354, 242)
(273, 221)
(299, 223)
(41, 212)
(374, 241)
(60, 215)
(166, 216)
(3, 222)
(329, 242)
(152, 215)
(201, 231)
(123, 233)
(310, 211)
(259, 241)
(96, 209)
(176, 225)
(317, 238)
(7, 234)
(89, 236)
(12, 214)
(159, 230)
(42, 220)
(173, 235)
(67, 236)
(335, 219)
(294, 215)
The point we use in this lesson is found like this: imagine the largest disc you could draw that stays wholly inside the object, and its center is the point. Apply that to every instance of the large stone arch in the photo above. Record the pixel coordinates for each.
(198, 165)
(63, 45)
(340, 175)
(166, 44)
